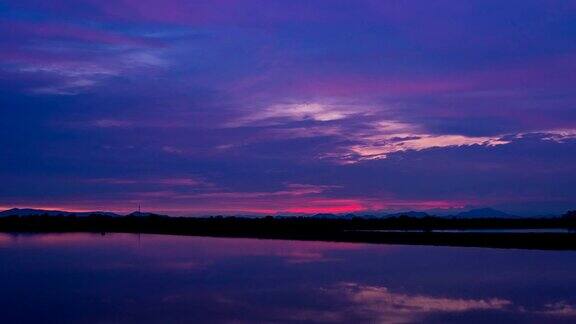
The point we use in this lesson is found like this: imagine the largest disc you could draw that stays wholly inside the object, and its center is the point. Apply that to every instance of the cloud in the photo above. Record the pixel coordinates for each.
(76, 57)
(107, 123)
(557, 135)
(389, 137)
(160, 181)
(376, 104)
(377, 147)
(171, 149)
(292, 189)
(68, 78)
(281, 113)
(75, 77)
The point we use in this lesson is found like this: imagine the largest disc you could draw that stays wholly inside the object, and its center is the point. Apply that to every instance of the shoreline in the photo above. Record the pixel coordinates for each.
(345, 231)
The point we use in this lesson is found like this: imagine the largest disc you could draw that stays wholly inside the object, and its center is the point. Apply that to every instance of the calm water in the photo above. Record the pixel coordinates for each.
(85, 278)
(490, 230)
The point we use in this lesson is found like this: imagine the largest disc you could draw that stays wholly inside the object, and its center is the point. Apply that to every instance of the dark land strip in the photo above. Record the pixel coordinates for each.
(419, 231)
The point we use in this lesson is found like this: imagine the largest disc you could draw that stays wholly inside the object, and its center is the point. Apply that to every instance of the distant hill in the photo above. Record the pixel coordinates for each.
(142, 214)
(483, 213)
(571, 214)
(340, 216)
(326, 216)
(415, 214)
(473, 213)
(38, 212)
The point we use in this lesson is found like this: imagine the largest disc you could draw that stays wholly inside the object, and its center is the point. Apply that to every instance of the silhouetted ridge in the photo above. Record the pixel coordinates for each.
(430, 230)
(484, 212)
(415, 214)
(23, 212)
(570, 215)
(144, 214)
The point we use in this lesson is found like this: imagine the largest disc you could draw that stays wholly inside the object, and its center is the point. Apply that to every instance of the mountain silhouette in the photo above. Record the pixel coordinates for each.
(483, 213)
(415, 214)
(44, 212)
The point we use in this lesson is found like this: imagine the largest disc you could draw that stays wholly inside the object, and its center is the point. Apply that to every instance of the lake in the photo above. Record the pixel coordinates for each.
(128, 278)
(487, 230)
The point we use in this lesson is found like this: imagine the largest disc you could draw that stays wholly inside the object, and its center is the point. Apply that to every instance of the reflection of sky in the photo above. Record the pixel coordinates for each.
(152, 278)
(288, 105)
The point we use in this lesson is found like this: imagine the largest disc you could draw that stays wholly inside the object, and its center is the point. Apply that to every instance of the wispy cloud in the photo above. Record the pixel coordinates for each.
(314, 111)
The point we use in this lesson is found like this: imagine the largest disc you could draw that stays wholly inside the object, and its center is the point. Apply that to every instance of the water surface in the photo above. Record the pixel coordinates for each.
(479, 230)
(125, 278)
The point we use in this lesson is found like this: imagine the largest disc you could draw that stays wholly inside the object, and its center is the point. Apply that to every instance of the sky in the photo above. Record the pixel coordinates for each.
(288, 106)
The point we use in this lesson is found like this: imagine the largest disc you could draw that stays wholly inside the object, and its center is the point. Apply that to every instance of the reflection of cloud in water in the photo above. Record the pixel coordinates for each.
(59, 239)
(251, 280)
(379, 304)
(211, 249)
(559, 309)
(5, 239)
(185, 252)
(378, 296)
(384, 305)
